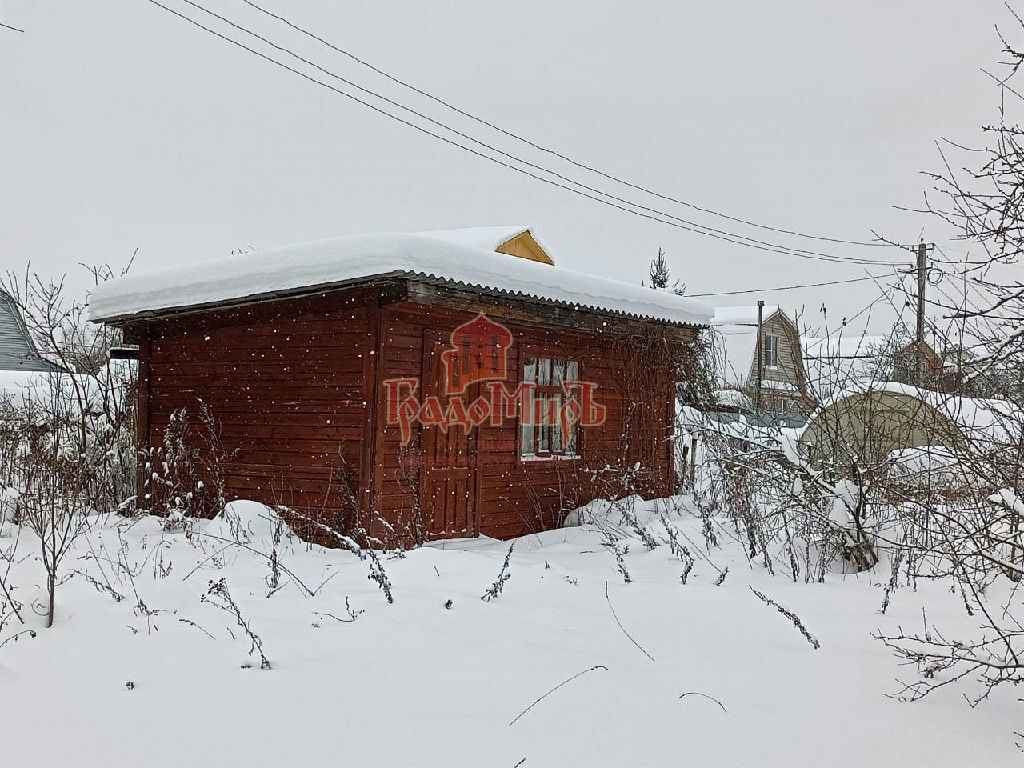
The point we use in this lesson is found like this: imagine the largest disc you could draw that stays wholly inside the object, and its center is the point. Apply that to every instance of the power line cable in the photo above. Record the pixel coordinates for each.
(785, 287)
(687, 224)
(555, 153)
(584, 191)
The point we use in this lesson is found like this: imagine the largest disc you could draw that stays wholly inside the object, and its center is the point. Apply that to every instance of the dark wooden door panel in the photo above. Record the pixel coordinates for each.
(449, 477)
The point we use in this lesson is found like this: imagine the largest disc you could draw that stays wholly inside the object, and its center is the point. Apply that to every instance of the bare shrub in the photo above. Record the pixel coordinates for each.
(218, 595)
(51, 495)
(186, 473)
(494, 591)
(789, 615)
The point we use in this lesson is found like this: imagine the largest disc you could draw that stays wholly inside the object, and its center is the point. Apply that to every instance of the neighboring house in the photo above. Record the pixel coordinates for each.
(783, 380)
(843, 360)
(919, 365)
(17, 351)
(450, 383)
(798, 371)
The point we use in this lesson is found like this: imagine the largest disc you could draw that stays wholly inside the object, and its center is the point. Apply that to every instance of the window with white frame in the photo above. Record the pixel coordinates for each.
(543, 434)
(771, 350)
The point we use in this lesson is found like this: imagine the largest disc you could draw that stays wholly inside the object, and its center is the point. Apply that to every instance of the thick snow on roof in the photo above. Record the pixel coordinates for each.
(741, 315)
(480, 238)
(21, 388)
(736, 346)
(976, 417)
(357, 258)
(733, 398)
(15, 383)
(972, 414)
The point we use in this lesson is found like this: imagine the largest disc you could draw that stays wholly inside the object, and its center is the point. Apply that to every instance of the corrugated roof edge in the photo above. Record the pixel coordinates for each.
(369, 280)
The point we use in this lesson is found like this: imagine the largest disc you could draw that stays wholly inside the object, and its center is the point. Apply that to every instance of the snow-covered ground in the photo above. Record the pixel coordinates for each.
(443, 678)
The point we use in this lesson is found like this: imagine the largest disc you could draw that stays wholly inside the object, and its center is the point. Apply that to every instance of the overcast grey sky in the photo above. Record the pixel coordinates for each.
(124, 127)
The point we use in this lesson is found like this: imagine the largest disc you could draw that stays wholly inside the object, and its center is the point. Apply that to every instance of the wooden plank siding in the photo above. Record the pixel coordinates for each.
(514, 496)
(289, 383)
(296, 388)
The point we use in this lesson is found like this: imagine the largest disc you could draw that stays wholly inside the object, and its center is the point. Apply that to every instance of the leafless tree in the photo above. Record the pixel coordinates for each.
(67, 438)
(52, 482)
(967, 504)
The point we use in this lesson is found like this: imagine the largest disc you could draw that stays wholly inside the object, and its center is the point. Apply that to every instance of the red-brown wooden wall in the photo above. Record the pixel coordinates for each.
(516, 497)
(294, 381)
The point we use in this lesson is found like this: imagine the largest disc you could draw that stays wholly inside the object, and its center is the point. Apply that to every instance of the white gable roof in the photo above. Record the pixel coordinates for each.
(736, 347)
(357, 258)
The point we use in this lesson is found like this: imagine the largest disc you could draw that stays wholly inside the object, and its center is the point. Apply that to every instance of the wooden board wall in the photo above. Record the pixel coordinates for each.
(295, 386)
(289, 383)
(513, 496)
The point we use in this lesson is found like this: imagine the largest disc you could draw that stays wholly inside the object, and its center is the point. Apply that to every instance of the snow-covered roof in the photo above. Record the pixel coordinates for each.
(975, 417)
(480, 238)
(23, 388)
(778, 386)
(14, 383)
(733, 398)
(972, 414)
(735, 349)
(741, 315)
(355, 259)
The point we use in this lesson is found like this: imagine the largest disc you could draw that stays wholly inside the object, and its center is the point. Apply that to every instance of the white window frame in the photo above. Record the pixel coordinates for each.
(548, 386)
(771, 350)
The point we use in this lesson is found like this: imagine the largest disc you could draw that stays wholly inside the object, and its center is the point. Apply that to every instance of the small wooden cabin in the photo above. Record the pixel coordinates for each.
(415, 386)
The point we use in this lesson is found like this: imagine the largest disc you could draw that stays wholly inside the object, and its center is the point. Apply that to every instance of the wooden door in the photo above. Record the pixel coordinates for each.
(448, 482)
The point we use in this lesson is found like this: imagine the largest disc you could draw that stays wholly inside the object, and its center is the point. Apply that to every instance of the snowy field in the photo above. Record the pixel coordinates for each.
(141, 670)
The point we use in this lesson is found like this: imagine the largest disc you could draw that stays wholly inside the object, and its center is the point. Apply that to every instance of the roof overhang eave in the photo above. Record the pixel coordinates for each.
(123, 319)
